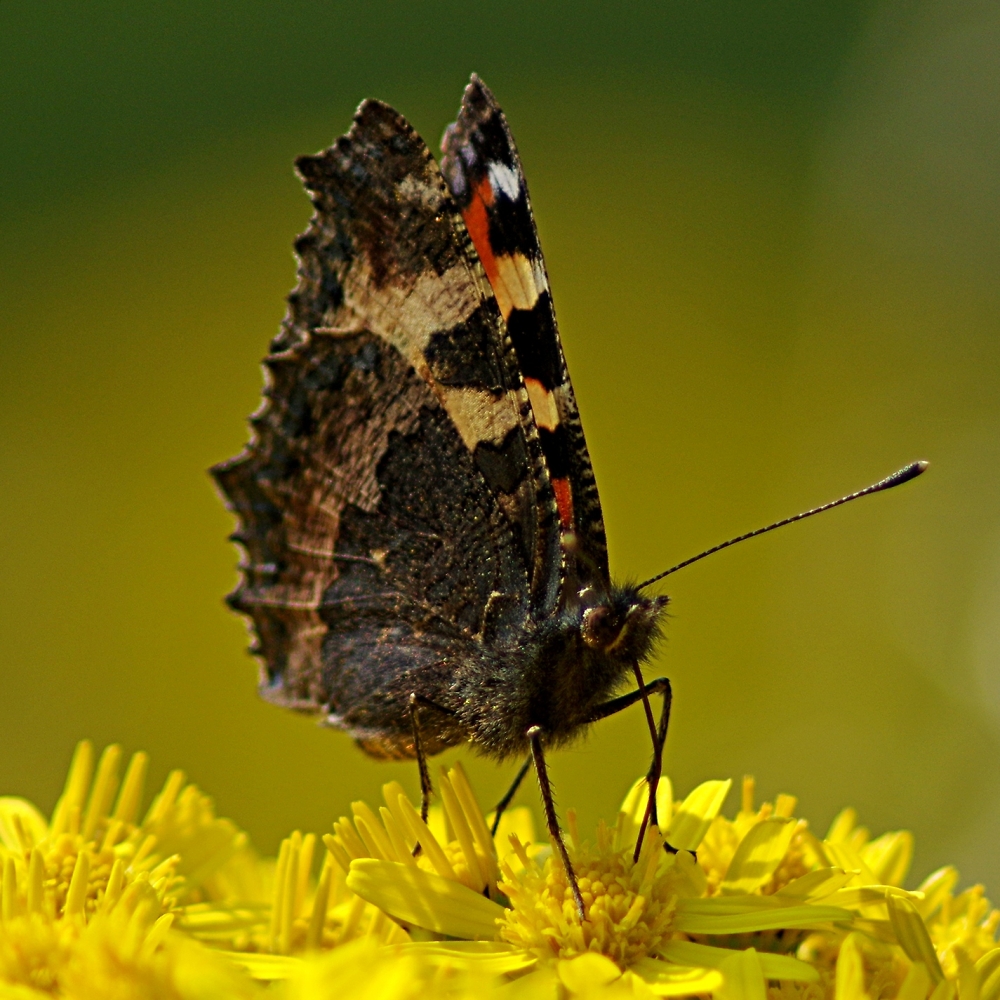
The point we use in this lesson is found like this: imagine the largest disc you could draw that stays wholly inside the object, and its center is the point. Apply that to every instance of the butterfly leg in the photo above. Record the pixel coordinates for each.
(426, 789)
(511, 792)
(534, 734)
(659, 734)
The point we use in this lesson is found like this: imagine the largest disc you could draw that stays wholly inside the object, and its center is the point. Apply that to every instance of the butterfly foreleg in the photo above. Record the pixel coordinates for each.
(426, 788)
(534, 735)
(658, 733)
(501, 807)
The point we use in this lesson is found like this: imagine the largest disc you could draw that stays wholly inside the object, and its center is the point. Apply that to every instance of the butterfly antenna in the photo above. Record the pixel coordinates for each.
(896, 479)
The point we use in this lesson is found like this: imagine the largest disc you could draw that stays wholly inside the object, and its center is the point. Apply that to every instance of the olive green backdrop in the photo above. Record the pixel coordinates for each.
(772, 233)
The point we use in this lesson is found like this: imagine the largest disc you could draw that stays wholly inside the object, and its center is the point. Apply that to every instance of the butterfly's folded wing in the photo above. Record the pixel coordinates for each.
(483, 171)
(393, 503)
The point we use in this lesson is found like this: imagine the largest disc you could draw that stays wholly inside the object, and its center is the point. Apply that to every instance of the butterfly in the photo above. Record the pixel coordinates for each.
(425, 555)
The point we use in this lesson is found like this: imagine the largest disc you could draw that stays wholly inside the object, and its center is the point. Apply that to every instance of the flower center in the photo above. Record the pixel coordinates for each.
(629, 905)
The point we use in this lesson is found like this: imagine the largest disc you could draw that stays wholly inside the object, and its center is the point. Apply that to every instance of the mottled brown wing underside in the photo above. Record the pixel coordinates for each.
(394, 504)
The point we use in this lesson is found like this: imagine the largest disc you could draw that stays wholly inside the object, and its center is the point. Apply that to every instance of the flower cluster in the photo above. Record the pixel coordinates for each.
(96, 902)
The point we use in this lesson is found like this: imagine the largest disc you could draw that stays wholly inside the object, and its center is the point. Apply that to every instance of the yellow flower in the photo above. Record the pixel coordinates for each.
(95, 842)
(87, 899)
(124, 948)
(638, 912)
(98, 903)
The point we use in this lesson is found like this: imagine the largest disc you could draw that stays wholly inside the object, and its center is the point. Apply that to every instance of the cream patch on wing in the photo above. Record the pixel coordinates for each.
(407, 318)
(543, 404)
(515, 284)
(478, 414)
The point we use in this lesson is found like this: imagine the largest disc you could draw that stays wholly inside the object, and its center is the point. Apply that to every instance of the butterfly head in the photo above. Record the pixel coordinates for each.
(622, 623)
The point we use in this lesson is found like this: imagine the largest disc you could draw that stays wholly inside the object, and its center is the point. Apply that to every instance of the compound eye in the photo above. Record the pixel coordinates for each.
(601, 628)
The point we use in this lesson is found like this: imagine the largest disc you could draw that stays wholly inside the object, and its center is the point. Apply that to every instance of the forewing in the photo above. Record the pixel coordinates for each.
(483, 171)
(393, 502)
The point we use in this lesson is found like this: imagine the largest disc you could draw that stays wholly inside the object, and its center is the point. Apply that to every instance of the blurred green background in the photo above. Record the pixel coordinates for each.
(772, 232)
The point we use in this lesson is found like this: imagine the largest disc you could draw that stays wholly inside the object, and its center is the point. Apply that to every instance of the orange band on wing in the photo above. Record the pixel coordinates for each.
(477, 221)
(564, 501)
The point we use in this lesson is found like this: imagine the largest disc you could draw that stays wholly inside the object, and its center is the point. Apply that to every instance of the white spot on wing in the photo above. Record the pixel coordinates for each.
(538, 273)
(504, 180)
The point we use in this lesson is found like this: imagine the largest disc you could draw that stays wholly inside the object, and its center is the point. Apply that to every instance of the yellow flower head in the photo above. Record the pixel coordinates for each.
(630, 905)
(97, 902)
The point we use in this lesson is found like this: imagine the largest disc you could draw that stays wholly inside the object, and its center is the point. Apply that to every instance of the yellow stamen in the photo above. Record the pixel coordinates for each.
(349, 839)
(276, 898)
(103, 791)
(339, 854)
(463, 834)
(75, 789)
(9, 903)
(317, 919)
(473, 813)
(36, 882)
(421, 832)
(371, 832)
(116, 882)
(784, 805)
(401, 851)
(130, 796)
(164, 802)
(76, 898)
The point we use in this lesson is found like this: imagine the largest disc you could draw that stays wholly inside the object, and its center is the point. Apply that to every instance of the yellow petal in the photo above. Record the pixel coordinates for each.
(968, 977)
(889, 856)
(690, 953)
(816, 885)
(844, 856)
(988, 968)
(542, 984)
(937, 887)
(911, 933)
(587, 972)
(424, 899)
(695, 917)
(519, 821)
(16, 812)
(865, 895)
(758, 855)
(842, 826)
(851, 970)
(917, 983)
(743, 977)
(695, 815)
(264, 967)
(492, 958)
(634, 807)
(666, 979)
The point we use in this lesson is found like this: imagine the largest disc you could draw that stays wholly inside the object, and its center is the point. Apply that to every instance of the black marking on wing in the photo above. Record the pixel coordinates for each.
(481, 137)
